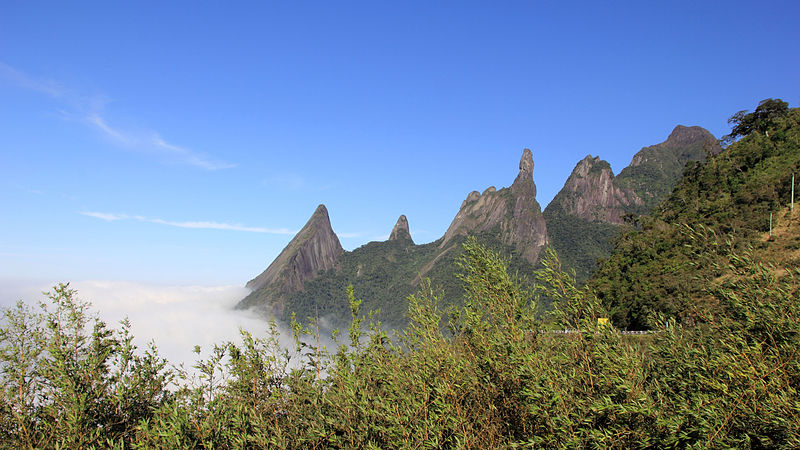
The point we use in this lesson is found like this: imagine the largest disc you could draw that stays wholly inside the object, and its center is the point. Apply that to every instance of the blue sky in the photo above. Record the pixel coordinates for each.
(184, 142)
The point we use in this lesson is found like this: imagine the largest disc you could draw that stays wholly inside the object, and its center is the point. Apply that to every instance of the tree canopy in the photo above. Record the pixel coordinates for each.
(760, 120)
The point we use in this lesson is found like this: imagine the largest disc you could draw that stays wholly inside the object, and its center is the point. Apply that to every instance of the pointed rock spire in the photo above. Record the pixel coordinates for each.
(524, 180)
(400, 230)
(314, 249)
(526, 162)
(517, 217)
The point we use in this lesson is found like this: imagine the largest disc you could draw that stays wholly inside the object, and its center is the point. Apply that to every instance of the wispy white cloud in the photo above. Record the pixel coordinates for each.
(44, 86)
(42, 192)
(98, 122)
(203, 225)
(105, 216)
(289, 181)
(89, 111)
(29, 190)
(187, 156)
(221, 226)
(349, 235)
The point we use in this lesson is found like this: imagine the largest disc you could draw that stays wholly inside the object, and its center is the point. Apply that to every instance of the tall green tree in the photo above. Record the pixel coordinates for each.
(760, 120)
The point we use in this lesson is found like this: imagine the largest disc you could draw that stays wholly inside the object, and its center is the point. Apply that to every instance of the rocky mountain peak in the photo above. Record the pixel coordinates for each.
(524, 181)
(526, 163)
(313, 250)
(583, 217)
(682, 136)
(591, 193)
(319, 218)
(682, 145)
(585, 165)
(400, 230)
(512, 212)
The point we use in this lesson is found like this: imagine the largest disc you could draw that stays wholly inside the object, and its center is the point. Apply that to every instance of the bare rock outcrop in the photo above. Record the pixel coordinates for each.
(314, 250)
(592, 193)
(585, 216)
(513, 212)
(400, 231)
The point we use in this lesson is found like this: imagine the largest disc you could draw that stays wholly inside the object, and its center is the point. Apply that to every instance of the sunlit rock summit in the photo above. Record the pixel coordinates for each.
(400, 231)
(512, 214)
(314, 250)
(592, 193)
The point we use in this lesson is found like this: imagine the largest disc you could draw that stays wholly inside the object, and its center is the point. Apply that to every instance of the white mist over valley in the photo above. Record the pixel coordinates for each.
(176, 318)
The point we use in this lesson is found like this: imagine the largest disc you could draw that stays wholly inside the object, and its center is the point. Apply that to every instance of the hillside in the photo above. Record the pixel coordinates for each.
(725, 202)
(654, 170)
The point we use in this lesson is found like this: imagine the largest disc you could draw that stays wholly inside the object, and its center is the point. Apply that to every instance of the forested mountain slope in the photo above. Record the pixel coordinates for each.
(728, 200)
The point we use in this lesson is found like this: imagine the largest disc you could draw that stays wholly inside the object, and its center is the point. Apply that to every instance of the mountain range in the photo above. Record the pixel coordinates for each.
(309, 277)
(592, 207)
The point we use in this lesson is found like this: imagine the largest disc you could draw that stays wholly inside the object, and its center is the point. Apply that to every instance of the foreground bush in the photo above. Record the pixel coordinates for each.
(487, 375)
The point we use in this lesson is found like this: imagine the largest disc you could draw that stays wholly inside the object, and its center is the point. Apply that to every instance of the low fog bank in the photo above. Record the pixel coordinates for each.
(28, 290)
(176, 317)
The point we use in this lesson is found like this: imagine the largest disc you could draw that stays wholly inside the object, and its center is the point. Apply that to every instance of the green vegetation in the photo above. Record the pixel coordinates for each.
(580, 243)
(729, 200)
(761, 120)
(660, 168)
(385, 274)
(380, 271)
(483, 376)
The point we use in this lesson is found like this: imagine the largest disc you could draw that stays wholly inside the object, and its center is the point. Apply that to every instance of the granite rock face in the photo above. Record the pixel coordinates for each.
(314, 250)
(512, 212)
(400, 231)
(301, 280)
(592, 193)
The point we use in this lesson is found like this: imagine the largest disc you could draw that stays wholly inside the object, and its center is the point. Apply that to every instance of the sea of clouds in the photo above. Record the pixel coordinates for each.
(176, 318)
